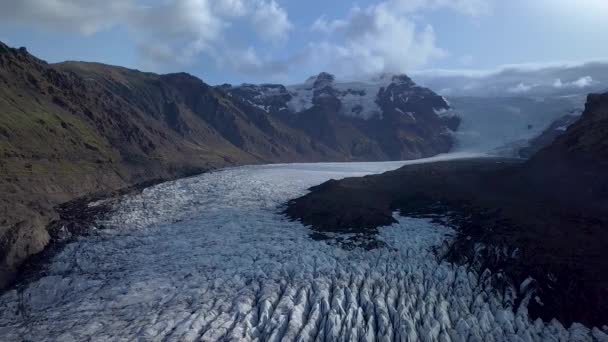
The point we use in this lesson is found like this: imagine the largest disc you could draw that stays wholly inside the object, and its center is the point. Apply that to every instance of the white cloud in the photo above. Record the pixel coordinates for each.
(384, 37)
(536, 79)
(324, 26)
(175, 31)
(520, 88)
(172, 31)
(466, 60)
(235, 8)
(248, 61)
(270, 20)
(582, 82)
(511, 68)
(558, 83)
(472, 8)
(375, 39)
(85, 17)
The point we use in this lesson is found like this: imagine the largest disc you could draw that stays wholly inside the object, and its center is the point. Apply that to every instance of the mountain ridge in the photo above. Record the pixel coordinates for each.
(75, 128)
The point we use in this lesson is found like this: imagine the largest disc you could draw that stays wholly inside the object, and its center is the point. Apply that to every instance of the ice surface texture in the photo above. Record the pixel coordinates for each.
(210, 258)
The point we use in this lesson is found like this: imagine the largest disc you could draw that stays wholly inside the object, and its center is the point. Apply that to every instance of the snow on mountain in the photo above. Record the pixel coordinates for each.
(482, 121)
(358, 99)
(385, 118)
(209, 258)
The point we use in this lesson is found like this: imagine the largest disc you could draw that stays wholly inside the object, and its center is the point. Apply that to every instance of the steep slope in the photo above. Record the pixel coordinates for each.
(576, 164)
(587, 138)
(63, 135)
(203, 114)
(548, 136)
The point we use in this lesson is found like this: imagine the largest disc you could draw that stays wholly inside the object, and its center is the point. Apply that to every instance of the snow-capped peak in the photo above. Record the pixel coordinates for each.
(359, 99)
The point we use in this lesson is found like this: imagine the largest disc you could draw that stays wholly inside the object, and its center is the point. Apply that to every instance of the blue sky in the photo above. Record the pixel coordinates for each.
(238, 41)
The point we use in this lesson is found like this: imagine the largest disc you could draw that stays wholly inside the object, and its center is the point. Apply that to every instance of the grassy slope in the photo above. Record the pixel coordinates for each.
(64, 136)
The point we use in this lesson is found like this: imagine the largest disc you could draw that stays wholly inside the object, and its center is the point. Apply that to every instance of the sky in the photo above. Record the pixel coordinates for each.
(236, 41)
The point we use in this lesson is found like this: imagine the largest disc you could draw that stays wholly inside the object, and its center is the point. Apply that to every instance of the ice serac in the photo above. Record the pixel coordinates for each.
(388, 117)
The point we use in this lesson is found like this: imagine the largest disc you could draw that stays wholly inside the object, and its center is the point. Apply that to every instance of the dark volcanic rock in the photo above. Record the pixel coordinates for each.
(362, 204)
(546, 218)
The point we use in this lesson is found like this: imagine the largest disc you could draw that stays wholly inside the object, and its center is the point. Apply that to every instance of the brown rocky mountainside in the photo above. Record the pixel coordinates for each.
(75, 128)
(544, 219)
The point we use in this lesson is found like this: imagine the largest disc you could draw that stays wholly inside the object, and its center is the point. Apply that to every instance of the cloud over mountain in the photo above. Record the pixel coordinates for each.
(525, 79)
(382, 37)
(164, 32)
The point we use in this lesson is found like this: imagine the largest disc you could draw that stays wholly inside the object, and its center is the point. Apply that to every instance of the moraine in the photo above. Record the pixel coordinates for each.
(210, 258)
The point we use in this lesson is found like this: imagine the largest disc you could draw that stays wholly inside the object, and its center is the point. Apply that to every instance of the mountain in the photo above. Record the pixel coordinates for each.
(389, 118)
(539, 226)
(578, 160)
(75, 128)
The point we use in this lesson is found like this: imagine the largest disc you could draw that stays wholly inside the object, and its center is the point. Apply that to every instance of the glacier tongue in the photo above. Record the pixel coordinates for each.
(503, 125)
(209, 258)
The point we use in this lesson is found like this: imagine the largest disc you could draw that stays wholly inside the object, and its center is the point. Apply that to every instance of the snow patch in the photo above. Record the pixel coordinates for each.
(301, 99)
(358, 98)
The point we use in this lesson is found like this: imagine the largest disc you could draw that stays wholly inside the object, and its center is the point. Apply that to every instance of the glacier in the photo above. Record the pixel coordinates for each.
(503, 125)
(210, 258)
